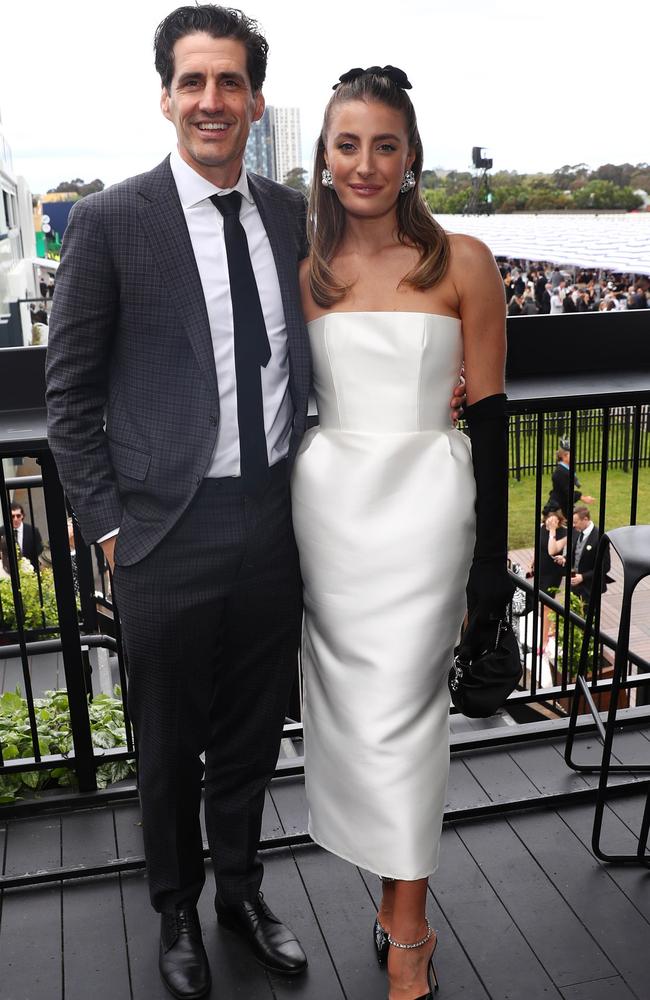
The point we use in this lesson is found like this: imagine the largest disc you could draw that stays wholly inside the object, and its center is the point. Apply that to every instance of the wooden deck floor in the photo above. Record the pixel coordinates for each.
(522, 908)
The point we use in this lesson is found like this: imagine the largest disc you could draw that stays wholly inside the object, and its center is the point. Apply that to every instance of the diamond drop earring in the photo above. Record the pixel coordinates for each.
(408, 183)
(327, 178)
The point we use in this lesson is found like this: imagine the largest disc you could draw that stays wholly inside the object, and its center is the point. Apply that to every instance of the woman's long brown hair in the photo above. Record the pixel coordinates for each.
(326, 216)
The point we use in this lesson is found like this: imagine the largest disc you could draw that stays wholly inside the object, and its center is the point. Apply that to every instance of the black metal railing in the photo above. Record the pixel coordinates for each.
(86, 620)
(67, 620)
(589, 429)
(549, 675)
(86, 624)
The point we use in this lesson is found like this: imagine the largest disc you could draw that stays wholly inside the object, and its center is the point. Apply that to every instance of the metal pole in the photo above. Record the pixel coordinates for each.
(57, 522)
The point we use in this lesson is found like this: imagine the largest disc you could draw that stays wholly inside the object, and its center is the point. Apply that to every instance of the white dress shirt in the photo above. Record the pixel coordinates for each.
(581, 544)
(206, 229)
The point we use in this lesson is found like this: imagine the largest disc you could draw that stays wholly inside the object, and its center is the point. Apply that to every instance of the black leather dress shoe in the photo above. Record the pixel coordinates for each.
(274, 945)
(183, 962)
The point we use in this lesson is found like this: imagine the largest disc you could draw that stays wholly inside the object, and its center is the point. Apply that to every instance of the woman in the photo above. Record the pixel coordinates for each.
(552, 558)
(384, 500)
(552, 549)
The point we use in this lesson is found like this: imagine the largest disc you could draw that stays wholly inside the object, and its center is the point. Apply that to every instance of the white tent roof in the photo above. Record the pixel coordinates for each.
(610, 242)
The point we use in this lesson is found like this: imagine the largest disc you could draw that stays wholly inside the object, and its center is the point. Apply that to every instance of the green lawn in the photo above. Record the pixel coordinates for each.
(619, 486)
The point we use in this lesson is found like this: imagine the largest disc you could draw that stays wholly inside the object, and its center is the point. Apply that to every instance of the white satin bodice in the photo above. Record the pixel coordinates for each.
(385, 372)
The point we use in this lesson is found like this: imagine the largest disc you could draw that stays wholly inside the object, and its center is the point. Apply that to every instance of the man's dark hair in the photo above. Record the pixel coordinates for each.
(582, 512)
(18, 506)
(219, 22)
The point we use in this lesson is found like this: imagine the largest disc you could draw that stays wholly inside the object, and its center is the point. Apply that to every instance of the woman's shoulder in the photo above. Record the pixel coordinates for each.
(465, 248)
(471, 262)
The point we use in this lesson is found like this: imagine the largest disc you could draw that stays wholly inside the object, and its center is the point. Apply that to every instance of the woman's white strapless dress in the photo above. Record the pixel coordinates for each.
(383, 505)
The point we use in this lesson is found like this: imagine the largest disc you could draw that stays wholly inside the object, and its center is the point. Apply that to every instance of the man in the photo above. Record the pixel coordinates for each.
(558, 498)
(26, 537)
(541, 284)
(147, 327)
(177, 315)
(585, 544)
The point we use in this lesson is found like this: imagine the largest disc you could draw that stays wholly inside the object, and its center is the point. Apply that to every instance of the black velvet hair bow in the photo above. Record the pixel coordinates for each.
(392, 73)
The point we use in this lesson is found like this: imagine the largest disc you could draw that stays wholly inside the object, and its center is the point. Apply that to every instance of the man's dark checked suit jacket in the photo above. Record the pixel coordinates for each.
(137, 347)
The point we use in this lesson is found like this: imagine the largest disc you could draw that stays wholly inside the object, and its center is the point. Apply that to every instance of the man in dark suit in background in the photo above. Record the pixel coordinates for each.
(585, 545)
(177, 317)
(25, 535)
(559, 498)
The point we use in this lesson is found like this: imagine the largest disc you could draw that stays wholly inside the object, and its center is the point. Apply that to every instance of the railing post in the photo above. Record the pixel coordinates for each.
(68, 624)
(626, 439)
(518, 447)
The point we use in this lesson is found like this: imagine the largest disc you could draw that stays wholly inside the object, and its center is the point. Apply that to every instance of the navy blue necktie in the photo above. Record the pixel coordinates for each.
(252, 349)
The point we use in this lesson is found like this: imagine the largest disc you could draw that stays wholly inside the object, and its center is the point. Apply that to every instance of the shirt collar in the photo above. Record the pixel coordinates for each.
(193, 189)
(564, 465)
(587, 531)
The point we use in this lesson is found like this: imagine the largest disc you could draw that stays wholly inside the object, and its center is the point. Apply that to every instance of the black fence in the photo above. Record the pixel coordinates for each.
(550, 670)
(85, 626)
(80, 620)
(589, 435)
(77, 734)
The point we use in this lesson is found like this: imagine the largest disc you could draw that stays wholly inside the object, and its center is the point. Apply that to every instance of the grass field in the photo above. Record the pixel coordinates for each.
(619, 487)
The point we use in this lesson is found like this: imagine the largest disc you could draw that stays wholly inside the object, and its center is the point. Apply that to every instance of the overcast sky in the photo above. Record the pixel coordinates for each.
(560, 83)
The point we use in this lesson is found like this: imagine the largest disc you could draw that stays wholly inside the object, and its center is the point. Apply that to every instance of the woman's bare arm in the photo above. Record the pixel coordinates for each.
(482, 308)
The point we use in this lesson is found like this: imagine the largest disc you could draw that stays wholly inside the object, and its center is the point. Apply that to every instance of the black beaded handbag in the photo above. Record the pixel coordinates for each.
(480, 682)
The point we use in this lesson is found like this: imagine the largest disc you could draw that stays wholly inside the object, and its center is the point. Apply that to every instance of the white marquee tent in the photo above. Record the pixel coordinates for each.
(613, 242)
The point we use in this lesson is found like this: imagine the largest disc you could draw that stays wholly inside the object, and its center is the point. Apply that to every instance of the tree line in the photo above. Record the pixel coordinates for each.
(570, 188)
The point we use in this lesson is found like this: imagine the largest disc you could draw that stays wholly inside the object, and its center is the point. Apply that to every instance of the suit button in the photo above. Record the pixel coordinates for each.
(197, 480)
(213, 419)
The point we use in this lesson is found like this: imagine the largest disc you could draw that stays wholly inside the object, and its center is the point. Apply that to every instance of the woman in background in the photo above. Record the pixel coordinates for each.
(552, 558)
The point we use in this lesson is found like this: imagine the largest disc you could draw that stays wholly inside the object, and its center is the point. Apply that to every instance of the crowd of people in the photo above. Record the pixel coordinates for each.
(537, 289)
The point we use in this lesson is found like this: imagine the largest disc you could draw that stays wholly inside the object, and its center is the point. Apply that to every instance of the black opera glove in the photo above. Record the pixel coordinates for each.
(489, 588)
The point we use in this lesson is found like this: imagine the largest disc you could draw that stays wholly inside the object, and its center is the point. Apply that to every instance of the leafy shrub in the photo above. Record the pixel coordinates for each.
(37, 615)
(55, 737)
(577, 605)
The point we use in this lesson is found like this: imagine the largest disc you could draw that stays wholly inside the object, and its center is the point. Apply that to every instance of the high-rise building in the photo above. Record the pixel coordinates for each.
(286, 140)
(259, 156)
(274, 147)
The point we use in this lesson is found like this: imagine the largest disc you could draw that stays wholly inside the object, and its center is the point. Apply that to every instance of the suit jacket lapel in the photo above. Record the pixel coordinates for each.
(273, 216)
(163, 221)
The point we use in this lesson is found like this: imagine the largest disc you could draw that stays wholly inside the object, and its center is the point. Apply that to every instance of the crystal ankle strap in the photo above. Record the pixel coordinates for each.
(414, 944)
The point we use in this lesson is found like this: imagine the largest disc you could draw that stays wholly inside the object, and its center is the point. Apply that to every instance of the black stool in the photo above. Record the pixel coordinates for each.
(633, 547)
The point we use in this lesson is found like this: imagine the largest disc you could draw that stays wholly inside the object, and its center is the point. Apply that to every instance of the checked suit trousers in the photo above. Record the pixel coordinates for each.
(211, 624)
